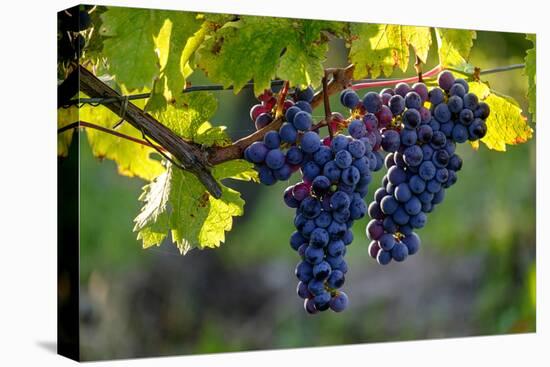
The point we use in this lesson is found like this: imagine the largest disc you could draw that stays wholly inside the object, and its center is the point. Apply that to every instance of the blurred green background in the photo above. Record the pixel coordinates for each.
(474, 275)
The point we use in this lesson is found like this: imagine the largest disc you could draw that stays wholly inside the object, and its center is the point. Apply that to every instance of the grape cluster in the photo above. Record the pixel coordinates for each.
(422, 162)
(417, 127)
(278, 156)
(71, 23)
(335, 177)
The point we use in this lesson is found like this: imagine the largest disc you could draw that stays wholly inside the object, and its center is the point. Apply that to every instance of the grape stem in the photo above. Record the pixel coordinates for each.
(418, 68)
(326, 103)
(281, 100)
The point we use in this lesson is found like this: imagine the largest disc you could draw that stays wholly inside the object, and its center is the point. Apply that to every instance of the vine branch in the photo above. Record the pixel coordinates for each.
(189, 155)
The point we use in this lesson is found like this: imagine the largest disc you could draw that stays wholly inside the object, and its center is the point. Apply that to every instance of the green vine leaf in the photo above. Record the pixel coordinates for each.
(65, 116)
(132, 159)
(190, 119)
(131, 53)
(506, 124)
(177, 31)
(302, 62)
(531, 73)
(454, 47)
(380, 48)
(177, 203)
(263, 48)
(155, 52)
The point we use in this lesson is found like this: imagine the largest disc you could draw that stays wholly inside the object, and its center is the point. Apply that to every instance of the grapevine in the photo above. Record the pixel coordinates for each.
(410, 128)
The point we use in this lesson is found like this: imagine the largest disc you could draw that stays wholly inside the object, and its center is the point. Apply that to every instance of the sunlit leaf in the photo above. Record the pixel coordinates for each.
(377, 49)
(137, 58)
(261, 49)
(506, 124)
(454, 47)
(65, 116)
(132, 159)
(130, 45)
(177, 203)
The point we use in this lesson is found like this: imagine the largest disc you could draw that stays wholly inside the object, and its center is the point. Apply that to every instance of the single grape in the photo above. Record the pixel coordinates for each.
(374, 229)
(288, 133)
(339, 302)
(305, 94)
(336, 279)
(412, 242)
(374, 247)
(413, 100)
(466, 116)
(289, 199)
(408, 137)
(457, 90)
(302, 121)
(442, 113)
(386, 242)
(302, 290)
(349, 98)
(372, 102)
(357, 149)
(294, 155)
(309, 306)
(257, 152)
(460, 133)
(275, 159)
(314, 255)
(399, 252)
(424, 133)
(304, 106)
(339, 142)
(321, 271)
(445, 80)
(390, 140)
(470, 101)
(396, 104)
(320, 185)
(266, 176)
(304, 271)
(436, 96)
(411, 117)
(383, 257)
(310, 142)
(455, 104)
(272, 140)
(357, 129)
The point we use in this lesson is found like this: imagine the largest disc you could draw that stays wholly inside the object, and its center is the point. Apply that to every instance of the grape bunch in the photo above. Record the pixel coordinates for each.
(71, 23)
(335, 174)
(422, 162)
(278, 156)
(417, 127)
(335, 177)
